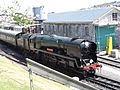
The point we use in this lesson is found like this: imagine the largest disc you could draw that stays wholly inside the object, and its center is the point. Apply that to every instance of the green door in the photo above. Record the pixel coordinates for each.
(102, 32)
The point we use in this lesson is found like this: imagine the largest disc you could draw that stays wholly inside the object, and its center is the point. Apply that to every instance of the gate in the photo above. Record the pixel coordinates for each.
(102, 32)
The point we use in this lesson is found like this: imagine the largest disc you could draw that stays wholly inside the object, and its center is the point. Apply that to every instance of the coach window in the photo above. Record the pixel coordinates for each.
(114, 16)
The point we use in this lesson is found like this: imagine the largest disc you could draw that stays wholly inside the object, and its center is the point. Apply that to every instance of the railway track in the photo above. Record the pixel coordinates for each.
(12, 55)
(113, 63)
(104, 82)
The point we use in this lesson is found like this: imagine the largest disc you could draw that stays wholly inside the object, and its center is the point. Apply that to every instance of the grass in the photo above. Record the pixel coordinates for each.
(14, 77)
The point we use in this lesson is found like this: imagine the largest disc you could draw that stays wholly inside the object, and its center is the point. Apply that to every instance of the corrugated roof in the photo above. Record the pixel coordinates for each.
(87, 15)
(9, 32)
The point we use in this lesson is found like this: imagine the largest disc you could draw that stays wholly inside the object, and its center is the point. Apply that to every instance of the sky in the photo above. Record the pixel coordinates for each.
(56, 5)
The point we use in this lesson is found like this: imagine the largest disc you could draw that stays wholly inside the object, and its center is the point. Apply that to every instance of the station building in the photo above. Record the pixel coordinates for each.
(94, 24)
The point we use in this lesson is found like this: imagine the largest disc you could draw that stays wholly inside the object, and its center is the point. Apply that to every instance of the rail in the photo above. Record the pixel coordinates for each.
(105, 82)
(111, 62)
(57, 76)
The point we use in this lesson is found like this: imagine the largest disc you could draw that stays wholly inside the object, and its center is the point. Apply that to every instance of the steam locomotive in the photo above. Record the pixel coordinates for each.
(82, 52)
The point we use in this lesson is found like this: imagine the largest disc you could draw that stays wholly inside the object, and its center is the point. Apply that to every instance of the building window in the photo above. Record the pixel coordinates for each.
(86, 31)
(114, 16)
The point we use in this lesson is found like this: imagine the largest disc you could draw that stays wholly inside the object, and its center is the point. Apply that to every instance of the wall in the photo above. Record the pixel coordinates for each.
(106, 19)
(84, 31)
(117, 35)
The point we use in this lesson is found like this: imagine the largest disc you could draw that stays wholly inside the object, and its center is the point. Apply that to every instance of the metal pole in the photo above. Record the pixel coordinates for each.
(99, 38)
(30, 78)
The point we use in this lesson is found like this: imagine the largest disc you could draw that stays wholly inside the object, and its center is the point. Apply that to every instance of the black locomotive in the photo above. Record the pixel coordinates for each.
(82, 52)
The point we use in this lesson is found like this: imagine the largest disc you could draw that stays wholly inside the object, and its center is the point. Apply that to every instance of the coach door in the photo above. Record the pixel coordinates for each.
(26, 41)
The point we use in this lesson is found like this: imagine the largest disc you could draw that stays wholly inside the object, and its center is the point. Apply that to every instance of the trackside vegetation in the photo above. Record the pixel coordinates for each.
(15, 77)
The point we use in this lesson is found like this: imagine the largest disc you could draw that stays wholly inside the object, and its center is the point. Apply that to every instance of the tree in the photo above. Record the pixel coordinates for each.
(14, 12)
(21, 19)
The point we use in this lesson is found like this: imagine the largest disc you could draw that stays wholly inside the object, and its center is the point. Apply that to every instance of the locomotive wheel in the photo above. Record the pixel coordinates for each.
(89, 73)
(85, 74)
(92, 72)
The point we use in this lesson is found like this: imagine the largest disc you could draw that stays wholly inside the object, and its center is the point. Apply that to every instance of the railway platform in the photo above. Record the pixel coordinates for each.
(103, 55)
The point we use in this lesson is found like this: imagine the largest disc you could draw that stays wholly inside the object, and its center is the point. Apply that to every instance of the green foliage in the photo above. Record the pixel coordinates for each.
(12, 85)
(14, 12)
(14, 77)
(21, 19)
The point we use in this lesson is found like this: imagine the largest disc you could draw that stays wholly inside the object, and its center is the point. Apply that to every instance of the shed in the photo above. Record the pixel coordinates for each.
(94, 24)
